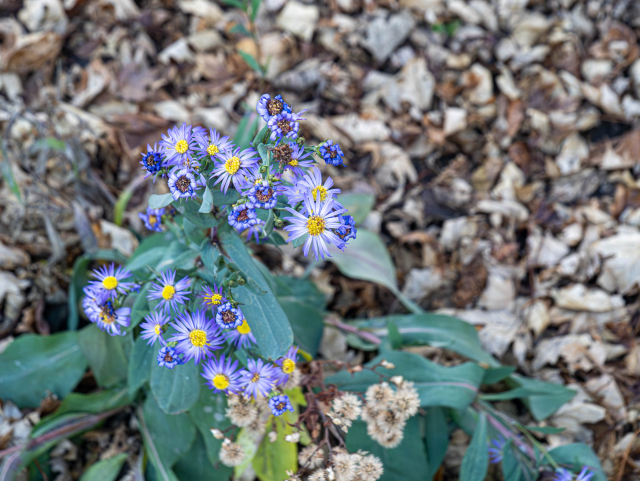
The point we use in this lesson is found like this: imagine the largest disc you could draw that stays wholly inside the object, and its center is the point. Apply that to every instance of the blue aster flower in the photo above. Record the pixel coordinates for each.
(347, 229)
(496, 450)
(285, 366)
(268, 107)
(178, 145)
(263, 195)
(182, 184)
(135, 287)
(169, 292)
(90, 302)
(242, 217)
(197, 335)
(230, 167)
(152, 161)
(285, 125)
(168, 357)
(108, 317)
(319, 221)
(221, 375)
(241, 336)
(565, 475)
(255, 231)
(332, 154)
(280, 404)
(297, 164)
(213, 144)
(110, 280)
(212, 297)
(257, 379)
(152, 219)
(311, 183)
(229, 317)
(154, 327)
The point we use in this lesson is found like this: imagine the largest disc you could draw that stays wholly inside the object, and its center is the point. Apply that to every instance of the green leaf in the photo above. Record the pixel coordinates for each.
(207, 201)
(454, 387)
(246, 128)
(140, 307)
(159, 201)
(545, 429)
(268, 227)
(176, 390)
(358, 205)
(170, 435)
(576, 456)
(105, 470)
(194, 233)
(434, 330)
(196, 466)
(273, 460)
(475, 462)
(393, 336)
(260, 137)
(190, 211)
(234, 3)
(121, 206)
(268, 322)
(209, 413)
(306, 323)
(255, 5)
(140, 365)
(149, 258)
(542, 398)
(511, 468)
(93, 403)
(493, 375)
(299, 290)
(107, 355)
(252, 62)
(436, 438)
(264, 153)
(219, 198)
(407, 462)
(33, 365)
(367, 258)
(299, 241)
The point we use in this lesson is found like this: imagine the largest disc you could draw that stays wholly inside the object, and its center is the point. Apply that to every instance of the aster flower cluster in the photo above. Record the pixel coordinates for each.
(276, 175)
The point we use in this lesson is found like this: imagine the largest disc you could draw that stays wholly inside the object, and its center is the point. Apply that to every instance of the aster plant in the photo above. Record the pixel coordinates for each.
(219, 355)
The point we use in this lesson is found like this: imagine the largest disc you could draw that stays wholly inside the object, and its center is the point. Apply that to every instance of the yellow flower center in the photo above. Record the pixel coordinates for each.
(255, 378)
(106, 318)
(157, 329)
(182, 146)
(212, 150)
(110, 282)
(220, 381)
(288, 366)
(153, 219)
(168, 292)
(322, 191)
(232, 165)
(198, 337)
(213, 299)
(293, 163)
(315, 225)
(244, 327)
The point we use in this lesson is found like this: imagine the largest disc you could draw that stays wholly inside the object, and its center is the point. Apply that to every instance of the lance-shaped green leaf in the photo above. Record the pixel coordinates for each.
(306, 323)
(143, 358)
(176, 390)
(476, 459)
(190, 210)
(107, 355)
(220, 198)
(105, 470)
(268, 226)
(268, 322)
(207, 201)
(159, 201)
(542, 398)
(454, 387)
(261, 136)
(94, 403)
(358, 204)
(434, 330)
(436, 438)
(33, 365)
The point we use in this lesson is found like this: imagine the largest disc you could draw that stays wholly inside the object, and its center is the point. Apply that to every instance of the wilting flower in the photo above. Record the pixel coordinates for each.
(286, 365)
(213, 144)
(292, 157)
(318, 222)
(221, 375)
(242, 217)
(230, 167)
(285, 125)
(152, 219)
(182, 184)
(110, 280)
(280, 404)
(154, 327)
(178, 145)
(108, 317)
(332, 154)
(152, 161)
(347, 229)
(169, 292)
(258, 378)
(263, 196)
(212, 298)
(241, 336)
(565, 475)
(197, 336)
(268, 107)
(229, 317)
(167, 357)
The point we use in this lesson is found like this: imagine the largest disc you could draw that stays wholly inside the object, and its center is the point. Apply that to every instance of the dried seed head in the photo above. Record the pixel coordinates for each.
(407, 400)
(322, 475)
(231, 454)
(347, 406)
(379, 396)
(344, 467)
(311, 457)
(257, 427)
(370, 468)
(241, 411)
(390, 420)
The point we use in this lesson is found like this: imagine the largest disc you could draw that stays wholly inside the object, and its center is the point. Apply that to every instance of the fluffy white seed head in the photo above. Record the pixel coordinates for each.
(231, 454)
(241, 411)
(347, 406)
(311, 456)
(370, 468)
(407, 400)
(344, 467)
(379, 396)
